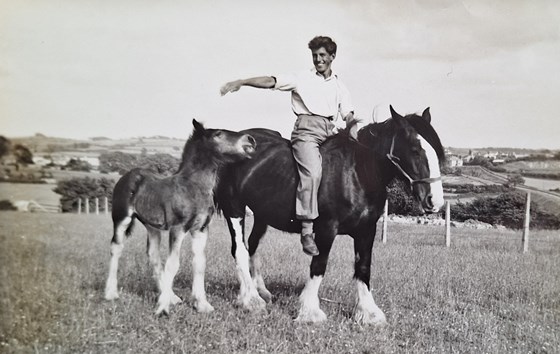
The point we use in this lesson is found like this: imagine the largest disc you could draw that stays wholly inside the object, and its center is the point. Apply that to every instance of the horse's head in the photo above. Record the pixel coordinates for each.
(225, 145)
(416, 151)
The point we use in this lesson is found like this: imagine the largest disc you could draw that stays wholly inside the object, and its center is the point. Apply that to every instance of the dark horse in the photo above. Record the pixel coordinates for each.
(351, 200)
(181, 203)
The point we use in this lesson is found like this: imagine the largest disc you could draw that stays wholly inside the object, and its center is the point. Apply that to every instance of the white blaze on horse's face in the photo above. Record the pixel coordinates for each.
(436, 188)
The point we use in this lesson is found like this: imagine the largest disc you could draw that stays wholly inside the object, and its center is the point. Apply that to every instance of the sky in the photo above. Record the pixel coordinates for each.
(488, 70)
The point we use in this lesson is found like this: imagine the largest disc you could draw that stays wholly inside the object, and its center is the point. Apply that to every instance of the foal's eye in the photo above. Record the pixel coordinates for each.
(218, 134)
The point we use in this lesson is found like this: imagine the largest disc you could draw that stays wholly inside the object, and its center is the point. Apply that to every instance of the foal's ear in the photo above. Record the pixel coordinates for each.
(426, 115)
(198, 127)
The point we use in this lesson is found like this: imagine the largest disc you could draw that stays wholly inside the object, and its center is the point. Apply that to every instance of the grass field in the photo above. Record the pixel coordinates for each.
(480, 296)
(41, 193)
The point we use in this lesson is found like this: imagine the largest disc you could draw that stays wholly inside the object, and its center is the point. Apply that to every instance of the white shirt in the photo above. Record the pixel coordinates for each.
(313, 94)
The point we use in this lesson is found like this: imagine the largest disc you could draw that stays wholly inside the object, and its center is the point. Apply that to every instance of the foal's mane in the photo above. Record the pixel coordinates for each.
(194, 152)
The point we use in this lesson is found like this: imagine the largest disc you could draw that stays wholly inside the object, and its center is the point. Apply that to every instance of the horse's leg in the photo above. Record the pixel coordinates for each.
(309, 310)
(117, 245)
(366, 311)
(257, 233)
(154, 241)
(199, 238)
(248, 297)
(167, 297)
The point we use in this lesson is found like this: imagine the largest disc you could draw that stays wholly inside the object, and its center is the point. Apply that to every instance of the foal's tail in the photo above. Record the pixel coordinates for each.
(123, 198)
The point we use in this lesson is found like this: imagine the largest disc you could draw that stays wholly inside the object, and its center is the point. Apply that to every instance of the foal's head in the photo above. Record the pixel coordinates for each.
(416, 152)
(218, 145)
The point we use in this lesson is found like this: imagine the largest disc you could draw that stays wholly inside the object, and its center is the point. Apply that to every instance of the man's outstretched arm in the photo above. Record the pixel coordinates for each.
(265, 82)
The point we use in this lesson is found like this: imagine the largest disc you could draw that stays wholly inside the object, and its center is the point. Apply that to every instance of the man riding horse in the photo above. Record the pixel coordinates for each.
(318, 99)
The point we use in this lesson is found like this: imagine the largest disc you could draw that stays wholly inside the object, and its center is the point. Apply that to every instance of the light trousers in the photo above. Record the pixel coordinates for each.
(308, 134)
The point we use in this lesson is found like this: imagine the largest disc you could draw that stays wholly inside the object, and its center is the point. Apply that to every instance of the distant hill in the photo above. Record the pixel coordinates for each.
(504, 150)
(40, 144)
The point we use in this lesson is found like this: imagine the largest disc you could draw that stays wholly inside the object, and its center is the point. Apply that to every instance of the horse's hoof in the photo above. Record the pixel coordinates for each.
(175, 300)
(370, 318)
(162, 310)
(203, 307)
(265, 295)
(315, 316)
(111, 295)
(252, 304)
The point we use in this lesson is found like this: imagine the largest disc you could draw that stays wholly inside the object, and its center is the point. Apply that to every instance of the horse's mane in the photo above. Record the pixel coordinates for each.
(186, 147)
(386, 128)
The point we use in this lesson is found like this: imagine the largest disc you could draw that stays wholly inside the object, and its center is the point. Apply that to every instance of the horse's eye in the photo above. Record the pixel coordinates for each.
(218, 134)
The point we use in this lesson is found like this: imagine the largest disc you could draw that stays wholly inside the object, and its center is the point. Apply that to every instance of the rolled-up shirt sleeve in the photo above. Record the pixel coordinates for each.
(345, 103)
(285, 82)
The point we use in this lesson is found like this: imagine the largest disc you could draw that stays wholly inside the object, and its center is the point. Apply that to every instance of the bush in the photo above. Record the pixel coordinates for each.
(6, 205)
(401, 200)
(78, 165)
(121, 162)
(471, 188)
(508, 210)
(86, 187)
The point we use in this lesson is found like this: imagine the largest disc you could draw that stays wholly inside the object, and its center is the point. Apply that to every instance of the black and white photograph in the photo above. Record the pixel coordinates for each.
(369, 176)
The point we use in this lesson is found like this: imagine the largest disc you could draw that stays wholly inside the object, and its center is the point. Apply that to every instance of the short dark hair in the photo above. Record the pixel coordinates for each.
(323, 42)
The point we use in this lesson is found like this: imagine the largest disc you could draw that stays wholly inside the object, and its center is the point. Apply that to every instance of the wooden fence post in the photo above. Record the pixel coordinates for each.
(526, 224)
(447, 224)
(385, 217)
(96, 206)
(106, 205)
(79, 205)
(87, 205)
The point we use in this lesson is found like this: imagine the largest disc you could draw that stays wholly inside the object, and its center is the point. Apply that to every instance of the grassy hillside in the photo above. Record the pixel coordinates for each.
(481, 295)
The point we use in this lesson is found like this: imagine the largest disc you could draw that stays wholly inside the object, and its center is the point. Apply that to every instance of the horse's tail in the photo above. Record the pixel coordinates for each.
(124, 194)
(130, 227)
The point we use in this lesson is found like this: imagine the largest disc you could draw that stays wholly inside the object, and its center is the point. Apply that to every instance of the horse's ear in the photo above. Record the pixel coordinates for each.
(426, 115)
(198, 127)
(393, 113)
(397, 118)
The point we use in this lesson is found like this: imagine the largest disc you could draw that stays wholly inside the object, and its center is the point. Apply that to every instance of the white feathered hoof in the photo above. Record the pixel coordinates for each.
(175, 299)
(203, 306)
(164, 302)
(265, 295)
(111, 294)
(374, 317)
(252, 304)
(311, 316)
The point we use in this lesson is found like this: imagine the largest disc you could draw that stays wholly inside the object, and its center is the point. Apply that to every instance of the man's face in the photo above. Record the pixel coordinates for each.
(322, 60)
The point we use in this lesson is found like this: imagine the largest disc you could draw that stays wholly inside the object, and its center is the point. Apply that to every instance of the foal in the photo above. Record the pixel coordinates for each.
(181, 203)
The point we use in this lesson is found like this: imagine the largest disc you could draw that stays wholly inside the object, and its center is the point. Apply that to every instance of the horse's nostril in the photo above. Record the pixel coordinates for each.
(252, 140)
(429, 201)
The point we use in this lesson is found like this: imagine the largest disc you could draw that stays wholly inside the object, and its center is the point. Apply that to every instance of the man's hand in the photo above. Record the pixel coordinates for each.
(352, 124)
(231, 87)
(354, 132)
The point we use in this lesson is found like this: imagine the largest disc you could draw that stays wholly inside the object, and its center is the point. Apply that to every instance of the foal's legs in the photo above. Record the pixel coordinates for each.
(309, 310)
(366, 311)
(154, 241)
(257, 233)
(199, 238)
(167, 297)
(248, 297)
(117, 245)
